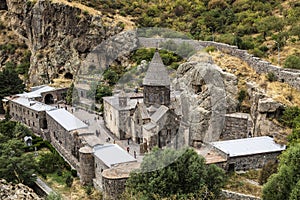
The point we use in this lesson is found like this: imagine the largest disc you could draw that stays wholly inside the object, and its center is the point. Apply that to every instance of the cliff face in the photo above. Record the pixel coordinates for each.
(58, 34)
(207, 94)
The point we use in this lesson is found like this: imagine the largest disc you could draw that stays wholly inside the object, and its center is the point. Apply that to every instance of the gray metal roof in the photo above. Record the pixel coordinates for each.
(157, 74)
(66, 119)
(36, 92)
(248, 146)
(111, 154)
(32, 104)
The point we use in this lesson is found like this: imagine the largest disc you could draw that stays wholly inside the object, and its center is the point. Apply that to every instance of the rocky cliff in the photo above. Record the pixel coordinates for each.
(9, 191)
(59, 34)
(207, 95)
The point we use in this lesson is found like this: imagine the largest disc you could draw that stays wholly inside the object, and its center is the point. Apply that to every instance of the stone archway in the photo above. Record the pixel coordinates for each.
(49, 99)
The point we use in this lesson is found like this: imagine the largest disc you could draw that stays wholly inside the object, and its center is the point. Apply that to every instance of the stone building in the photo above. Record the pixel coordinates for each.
(30, 112)
(63, 134)
(247, 153)
(149, 120)
(106, 157)
(46, 94)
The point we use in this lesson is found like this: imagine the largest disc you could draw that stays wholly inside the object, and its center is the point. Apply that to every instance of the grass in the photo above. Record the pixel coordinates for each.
(243, 183)
(279, 91)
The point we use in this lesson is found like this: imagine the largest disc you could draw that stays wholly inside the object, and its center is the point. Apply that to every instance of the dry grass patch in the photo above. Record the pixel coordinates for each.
(244, 183)
(279, 91)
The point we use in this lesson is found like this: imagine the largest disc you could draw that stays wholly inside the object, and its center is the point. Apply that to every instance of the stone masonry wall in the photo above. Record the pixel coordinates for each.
(237, 126)
(252, 161)
(290, 76)
(113, 188)
(63, 141)
(237, 196)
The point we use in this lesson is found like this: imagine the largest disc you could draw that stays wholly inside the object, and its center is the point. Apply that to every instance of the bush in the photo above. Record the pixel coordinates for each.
(69, 181)
(210, 49)
(267, 170)
(292, 61)
(74, 172)
(271, 77)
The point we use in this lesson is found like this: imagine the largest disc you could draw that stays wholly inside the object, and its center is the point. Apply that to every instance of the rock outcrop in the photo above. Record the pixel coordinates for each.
(9, 191)
(59, 35)
(263, 111)
(207, 94)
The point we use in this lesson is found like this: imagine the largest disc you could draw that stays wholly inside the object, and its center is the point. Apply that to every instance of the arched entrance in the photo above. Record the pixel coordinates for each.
(49, 99)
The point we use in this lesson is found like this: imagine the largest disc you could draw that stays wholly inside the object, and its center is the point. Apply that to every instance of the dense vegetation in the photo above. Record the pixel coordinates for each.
(20, 163)
(175, 174)
(10, 83)
(248, 24)
(285, 184)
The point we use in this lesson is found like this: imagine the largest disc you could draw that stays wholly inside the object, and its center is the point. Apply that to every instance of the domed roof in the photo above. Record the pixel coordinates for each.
(157, 74)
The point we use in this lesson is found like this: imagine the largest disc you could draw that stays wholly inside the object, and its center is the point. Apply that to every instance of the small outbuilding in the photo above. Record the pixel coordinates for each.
(248, 153)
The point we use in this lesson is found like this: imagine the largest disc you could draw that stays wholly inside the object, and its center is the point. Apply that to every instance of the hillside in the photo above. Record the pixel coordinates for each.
(260, 27)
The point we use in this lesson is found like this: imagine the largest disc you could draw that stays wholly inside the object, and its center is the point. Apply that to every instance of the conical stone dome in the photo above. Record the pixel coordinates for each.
(157, 74)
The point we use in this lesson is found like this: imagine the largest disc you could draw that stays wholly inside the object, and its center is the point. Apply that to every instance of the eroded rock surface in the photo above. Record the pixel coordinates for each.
(9, 191)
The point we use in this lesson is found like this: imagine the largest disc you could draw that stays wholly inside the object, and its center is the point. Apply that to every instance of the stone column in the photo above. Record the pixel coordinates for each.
(87, 167)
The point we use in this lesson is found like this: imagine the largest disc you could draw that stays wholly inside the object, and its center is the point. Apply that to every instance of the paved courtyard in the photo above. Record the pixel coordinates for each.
(96, 125)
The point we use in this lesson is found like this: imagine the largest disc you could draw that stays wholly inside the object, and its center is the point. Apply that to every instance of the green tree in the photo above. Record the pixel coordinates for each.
(10, 83)
(290, 116)
(102, 91)
(169, 172)
(110, 76)
(282, 184)
(72, 95)
(15, 166)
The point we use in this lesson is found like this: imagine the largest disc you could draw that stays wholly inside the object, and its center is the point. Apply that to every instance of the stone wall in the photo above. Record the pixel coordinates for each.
(113, 188)
(290, 76)
(237, 126)
(63, 141)
(251, 161)
(32, 118)
(237, 196)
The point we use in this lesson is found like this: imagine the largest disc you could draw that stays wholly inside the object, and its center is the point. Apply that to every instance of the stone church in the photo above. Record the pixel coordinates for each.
(149, 119)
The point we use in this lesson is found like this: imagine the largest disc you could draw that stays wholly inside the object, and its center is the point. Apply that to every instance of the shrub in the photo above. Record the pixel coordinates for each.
(271, 77)
(268, 169)
(74, 172)
(292, 61)
(210, 49)
(69, 181)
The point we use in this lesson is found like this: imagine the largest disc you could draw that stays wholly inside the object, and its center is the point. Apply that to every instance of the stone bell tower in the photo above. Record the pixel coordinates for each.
(156, 83)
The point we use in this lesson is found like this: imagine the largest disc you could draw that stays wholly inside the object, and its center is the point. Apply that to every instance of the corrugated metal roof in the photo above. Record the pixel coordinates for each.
(248, 146)
(112, 154)
(157, 74)
(31, 104)
(66, 119)
(37, 92)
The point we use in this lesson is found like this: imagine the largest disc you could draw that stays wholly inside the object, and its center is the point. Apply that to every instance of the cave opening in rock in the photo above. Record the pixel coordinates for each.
(68, 75)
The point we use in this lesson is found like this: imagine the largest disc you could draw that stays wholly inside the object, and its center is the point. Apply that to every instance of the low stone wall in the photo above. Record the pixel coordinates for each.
(237, 196)
(290, 76)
